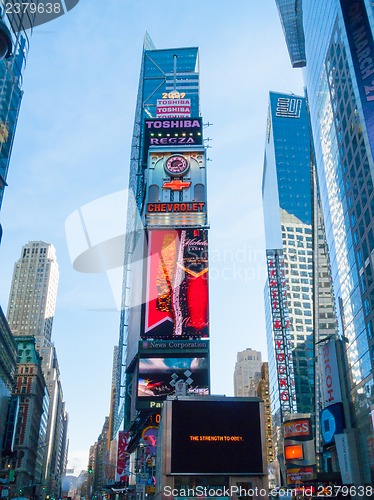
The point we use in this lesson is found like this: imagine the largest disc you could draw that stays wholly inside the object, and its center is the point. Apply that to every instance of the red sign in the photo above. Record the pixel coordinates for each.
(177, 284)
(123, 457)
(300, 474)
(297, 428)
(281, 331)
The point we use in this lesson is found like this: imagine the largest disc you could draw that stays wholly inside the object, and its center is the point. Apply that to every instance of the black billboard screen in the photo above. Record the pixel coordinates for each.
(216, 437)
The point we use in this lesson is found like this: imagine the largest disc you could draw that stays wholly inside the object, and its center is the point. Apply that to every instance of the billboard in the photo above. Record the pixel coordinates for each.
(331, 422)
(300, 429)
(177, 302)
(329, 374)
(360, 39)
(176, 188)
(216, 437)
(122, 474)
(161, 377)
(173, 108)
(281, 330)
(162, 132)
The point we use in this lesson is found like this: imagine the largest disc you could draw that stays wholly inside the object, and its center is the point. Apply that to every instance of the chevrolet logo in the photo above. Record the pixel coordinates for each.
(176, 185)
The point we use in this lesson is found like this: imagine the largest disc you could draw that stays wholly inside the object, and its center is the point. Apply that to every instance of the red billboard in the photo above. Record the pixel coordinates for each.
(177, 284)
(122, 475)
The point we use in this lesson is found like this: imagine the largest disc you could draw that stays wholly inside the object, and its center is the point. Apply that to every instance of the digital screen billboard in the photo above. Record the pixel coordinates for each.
(177, 284)
(216, 437)
(176, 188)
(162, 132)
(162, 377)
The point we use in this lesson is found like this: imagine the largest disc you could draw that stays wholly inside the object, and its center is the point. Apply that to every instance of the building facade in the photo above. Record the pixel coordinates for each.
(33, 294)
(338, 75)
(30, 388)
(8, 359)
(11, 69)
(247, 373)
(167, 125)
(263, 392)
(287, 204)
(31, 309)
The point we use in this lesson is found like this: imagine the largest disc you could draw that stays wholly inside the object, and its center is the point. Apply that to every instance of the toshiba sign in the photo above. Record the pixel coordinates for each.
(330, 383)
(297, 428)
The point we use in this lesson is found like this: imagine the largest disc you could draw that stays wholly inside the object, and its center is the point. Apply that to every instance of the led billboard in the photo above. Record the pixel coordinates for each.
(216, 437)
(162, 377)
(176, 188)
(177, 284)
(161, 132)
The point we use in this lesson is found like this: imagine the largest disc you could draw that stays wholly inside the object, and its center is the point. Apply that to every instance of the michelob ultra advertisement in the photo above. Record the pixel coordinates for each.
(177, 284)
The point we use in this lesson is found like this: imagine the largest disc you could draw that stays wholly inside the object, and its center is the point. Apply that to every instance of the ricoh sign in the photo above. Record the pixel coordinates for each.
(330, 382)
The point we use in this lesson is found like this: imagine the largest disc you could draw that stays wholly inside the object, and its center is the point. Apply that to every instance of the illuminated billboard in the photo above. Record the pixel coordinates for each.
(176, 188)
(177, 284)
(162, 377)
(281, 330)
(161, 132)
(217, 437)
(177, 108)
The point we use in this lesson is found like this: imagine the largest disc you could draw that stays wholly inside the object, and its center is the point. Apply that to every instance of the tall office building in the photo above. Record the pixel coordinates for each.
(16, 40)
(167, 181)
(247, 373)
(163, 347)
(31, 309)
(32, 300)
(14, 49)
(287, 204)
(338, 37)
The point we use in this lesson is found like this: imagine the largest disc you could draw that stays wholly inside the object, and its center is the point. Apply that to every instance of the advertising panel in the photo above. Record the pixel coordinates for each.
(281, 330)
(300, 429)
(176, 188)
(123, 457)
(162, 132)
(329, 378)
(360, 39)
(216, 437)
(299, 475)
(146, 347)
(332, 422)
(160, 377)
(177, 284)
(173, 108)
(299, 448)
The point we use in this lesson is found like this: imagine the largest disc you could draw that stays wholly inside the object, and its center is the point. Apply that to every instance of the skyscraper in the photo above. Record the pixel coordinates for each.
(33, 293)
(163, 346)
(11, 68)
(287, 203)
(247, 373)
(339, 71)
(31, 309)
(167, 137)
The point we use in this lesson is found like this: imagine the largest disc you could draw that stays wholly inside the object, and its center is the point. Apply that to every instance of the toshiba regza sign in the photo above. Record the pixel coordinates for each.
(216, 437)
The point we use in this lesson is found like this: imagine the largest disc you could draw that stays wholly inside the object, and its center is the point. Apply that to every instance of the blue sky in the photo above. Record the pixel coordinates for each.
(72, 146)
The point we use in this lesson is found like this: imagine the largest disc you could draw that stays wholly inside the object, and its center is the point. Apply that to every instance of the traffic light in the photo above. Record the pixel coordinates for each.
(89, 469)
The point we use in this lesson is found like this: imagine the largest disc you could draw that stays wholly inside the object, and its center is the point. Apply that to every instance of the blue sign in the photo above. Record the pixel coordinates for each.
(331, 420)
(361, 43)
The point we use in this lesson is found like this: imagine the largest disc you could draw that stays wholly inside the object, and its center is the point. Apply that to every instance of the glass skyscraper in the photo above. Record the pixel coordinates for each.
(339, 80)
(163, 72)
(287, 203)
(11, 92)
